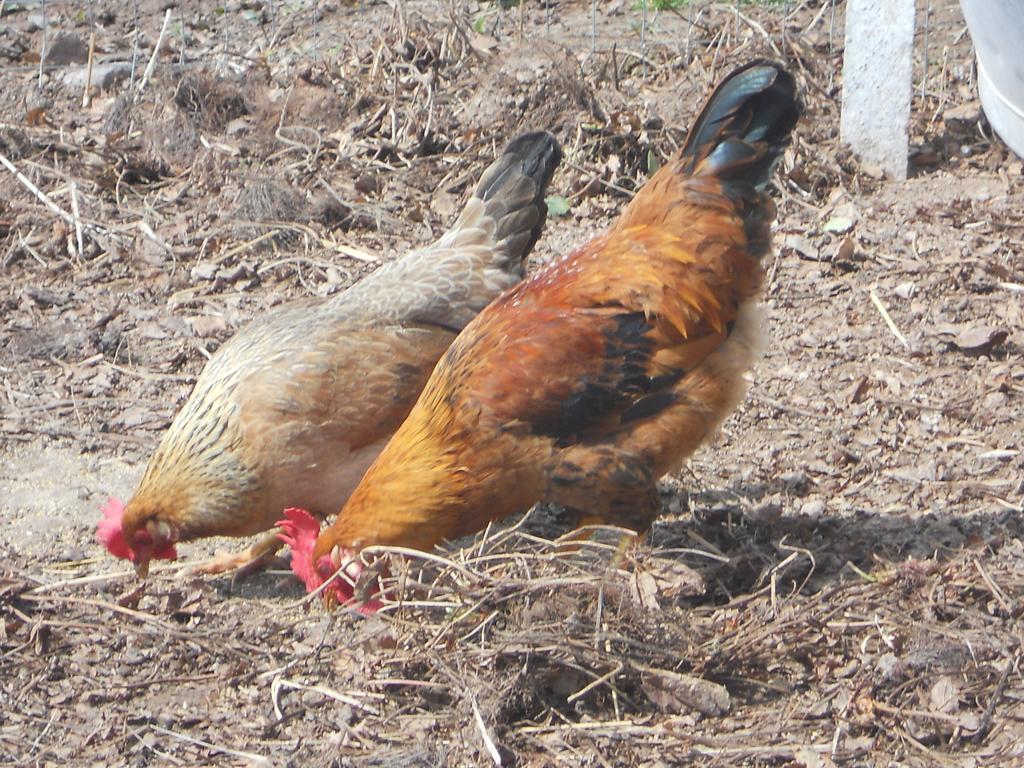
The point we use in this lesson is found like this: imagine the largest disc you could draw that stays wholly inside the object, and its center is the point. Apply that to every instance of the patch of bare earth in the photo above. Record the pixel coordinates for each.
(837, 579)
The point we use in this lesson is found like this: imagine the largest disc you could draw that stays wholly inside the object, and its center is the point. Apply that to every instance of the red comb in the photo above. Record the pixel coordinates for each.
(299, 530)
(108, 532)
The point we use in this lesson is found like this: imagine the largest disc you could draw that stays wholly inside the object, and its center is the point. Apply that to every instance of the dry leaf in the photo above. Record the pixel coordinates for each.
(483, 43)
(443, 203)
(35, 117)
(979, 339)
(840, 225)
(677, 693)
(805, 248)
(809, 757)
(846, 250)
(673, 578)
(945, 695)
(644, 590)
(858, 389)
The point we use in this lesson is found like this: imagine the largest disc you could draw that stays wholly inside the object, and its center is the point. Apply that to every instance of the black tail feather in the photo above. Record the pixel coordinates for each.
(745, 125)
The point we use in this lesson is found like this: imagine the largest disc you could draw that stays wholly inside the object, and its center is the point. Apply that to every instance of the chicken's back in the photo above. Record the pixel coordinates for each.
(628, 325)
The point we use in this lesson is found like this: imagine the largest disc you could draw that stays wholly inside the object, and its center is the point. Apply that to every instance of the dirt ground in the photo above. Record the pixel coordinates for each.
(839, 576)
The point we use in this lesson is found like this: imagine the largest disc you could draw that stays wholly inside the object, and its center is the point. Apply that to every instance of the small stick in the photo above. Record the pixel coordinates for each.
(78, 219)
(148, 232)
(39, 194)
(316, 28)
(986, 718)
(615, 68)
(181, 19)
(689, 32)
(997, 593)
(250, 756)
(785, 18)
(156, 52)
(816, 19)
(491, 749)
(888, 319)
(594, 683)
(42, 56)
(280, 682)
(46, 730)
(86, 97)
(906, 712)
(135, 42)
(927, 26)
(643, 36)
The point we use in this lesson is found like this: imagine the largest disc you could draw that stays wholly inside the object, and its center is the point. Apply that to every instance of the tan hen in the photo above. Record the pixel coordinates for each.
(294, 408)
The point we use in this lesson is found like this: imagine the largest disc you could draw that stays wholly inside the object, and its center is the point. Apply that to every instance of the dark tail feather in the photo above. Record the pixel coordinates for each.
(513, 190)
(745, 125)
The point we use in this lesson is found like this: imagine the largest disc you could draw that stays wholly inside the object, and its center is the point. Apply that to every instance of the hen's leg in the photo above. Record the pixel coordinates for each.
(604, 486)
(244, 563)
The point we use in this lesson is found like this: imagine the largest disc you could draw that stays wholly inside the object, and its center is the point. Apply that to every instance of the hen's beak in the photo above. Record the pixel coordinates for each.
(142, 567)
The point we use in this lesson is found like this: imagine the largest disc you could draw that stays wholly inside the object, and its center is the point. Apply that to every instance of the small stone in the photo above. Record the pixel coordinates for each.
(994, 401)
(312, 698)
(103, 76)
(967, 112)
(905, 290)
(66, 48)
(813, 508)
(234, 273)
(840, 225)
(204, 271)
(766, 513)
(794, 481)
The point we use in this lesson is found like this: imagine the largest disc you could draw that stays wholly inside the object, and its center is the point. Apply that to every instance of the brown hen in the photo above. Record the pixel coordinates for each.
(587, 382)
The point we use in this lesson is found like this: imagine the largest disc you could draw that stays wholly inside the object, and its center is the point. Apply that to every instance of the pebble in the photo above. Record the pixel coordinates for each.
(905, 290)
(312, 698)
(994, 401)
(794, 481)
(73, 555)
(104, 76)
(66, 48)
(887, 664)
(813, 508)
(203, 271)
(766, 513)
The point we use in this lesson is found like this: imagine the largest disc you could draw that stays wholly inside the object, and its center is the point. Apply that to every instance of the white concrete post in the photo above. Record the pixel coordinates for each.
(877, 72)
